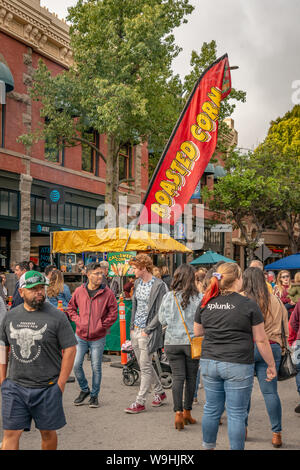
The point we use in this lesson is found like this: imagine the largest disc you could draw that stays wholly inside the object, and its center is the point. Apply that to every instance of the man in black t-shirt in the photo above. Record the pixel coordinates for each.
(37, 335)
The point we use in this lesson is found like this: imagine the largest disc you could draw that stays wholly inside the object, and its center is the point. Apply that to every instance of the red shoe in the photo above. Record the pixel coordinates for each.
(158, 399)
(135, 408)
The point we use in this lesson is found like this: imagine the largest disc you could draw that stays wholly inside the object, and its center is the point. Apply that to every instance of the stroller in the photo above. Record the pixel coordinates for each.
(160, 364)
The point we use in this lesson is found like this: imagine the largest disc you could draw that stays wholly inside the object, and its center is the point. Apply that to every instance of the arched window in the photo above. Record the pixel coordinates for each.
(6, 85)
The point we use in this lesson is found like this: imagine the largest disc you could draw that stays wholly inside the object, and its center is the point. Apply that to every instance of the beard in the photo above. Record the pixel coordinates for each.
(36, 303)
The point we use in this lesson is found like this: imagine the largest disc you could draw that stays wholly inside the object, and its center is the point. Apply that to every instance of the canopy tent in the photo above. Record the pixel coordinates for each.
(114, 240)
(290, 262)
(211, 257)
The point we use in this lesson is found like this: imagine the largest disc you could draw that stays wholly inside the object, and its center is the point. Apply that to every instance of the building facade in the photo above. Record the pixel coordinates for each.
(43, 190)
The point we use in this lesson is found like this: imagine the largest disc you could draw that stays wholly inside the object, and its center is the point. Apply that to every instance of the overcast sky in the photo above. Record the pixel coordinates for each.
(262, 37)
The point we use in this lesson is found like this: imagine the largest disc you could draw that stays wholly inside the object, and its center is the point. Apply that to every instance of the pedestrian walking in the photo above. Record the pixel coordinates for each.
(256, 263)
(199, 279)
(275, 315)
(145, 330)
(114, 283)
(294, 290)
(294, 341)
(229, 323)
(165, 276)
(94, 309)
(57, 290)
(20, 269)
(183, 299)
(3, 288)
(283, 283)
(37, 334)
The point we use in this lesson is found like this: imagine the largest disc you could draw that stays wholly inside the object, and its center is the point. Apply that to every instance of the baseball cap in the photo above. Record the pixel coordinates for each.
(31, 279)
(104, 264)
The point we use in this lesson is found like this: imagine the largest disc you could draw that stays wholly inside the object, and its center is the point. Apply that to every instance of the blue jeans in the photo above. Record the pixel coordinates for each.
(298, 378)
(96, 348)
(269, 389)
(197, 381)
(231, 384)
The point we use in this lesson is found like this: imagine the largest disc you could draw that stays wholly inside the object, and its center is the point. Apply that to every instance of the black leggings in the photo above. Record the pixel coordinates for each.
(184, 370)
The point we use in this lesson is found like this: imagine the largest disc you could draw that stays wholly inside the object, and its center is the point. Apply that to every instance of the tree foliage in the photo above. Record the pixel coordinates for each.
(121, 85)
(263, 187)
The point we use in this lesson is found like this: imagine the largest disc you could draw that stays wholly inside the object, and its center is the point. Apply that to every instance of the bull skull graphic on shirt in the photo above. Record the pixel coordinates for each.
(26, 338)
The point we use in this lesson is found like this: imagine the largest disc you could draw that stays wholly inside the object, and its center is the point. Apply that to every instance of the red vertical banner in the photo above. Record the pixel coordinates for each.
(189, 149)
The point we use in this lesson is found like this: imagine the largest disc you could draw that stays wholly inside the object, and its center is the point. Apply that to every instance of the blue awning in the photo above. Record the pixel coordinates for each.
(219, 172)
(210, 169)
(6, 77)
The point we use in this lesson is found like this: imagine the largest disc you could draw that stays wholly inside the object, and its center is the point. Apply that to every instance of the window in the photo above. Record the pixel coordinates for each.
(125, 162)
(43, 211)
(88, 155)
(2, 126)
(52, 151)
(9, 204)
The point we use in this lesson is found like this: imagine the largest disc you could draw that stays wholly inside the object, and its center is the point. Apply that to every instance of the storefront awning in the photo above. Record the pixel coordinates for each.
(219, 172)
(6, 77)
(210, 169)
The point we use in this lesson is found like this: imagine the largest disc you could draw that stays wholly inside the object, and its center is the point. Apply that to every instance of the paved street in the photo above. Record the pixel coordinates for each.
(108, 427)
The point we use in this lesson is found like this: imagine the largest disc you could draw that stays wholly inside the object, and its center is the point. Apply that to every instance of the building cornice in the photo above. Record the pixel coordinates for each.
(35, 26)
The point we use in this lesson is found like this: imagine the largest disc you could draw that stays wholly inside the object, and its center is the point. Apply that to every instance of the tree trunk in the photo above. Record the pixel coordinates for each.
(112, 181)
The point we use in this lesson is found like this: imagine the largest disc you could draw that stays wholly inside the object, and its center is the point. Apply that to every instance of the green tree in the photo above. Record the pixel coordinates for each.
(122, 83)
(245, 198)
(279, 156)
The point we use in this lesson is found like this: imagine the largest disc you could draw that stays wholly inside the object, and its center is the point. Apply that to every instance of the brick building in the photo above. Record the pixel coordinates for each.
(32, 181)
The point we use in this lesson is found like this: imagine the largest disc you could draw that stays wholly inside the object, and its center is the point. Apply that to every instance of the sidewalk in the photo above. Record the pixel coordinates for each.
(108, 427)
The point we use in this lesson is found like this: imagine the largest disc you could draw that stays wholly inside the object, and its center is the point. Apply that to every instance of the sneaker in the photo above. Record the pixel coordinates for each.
(297, 409)
(195, 400)
(158, 399)
(93, 402)
(135, 408)
(81, 397)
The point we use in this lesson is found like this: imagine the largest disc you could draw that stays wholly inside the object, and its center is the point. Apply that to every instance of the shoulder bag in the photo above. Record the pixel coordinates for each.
(196, 342)
(287, 369)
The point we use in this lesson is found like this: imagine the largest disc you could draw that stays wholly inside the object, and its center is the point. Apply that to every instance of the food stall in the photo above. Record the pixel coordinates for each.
(114, 240)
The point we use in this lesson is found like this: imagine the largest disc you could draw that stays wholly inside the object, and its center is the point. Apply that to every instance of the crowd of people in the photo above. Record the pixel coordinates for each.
(242, 317)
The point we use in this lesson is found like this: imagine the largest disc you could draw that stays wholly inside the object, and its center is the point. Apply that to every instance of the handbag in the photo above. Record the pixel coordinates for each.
(287, 369)
(196, 342)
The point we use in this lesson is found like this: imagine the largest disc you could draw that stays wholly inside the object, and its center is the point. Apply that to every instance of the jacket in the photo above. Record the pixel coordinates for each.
(153, 326)
(64, 296)
(92, 316)
(169, 316)
(294, 325)
(294, 292)
(17, 299)
(273, 321)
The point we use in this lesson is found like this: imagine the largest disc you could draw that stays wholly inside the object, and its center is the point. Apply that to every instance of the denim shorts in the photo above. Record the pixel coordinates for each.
(21, 405)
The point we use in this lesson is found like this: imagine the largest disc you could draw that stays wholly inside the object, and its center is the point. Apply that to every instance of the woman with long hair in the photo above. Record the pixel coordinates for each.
(283, 283)
(229, 323)
(183, 297)
(57, 290)
(274, 315)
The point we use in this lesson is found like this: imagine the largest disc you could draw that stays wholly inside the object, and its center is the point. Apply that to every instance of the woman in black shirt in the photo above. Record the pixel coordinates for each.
(229, 323)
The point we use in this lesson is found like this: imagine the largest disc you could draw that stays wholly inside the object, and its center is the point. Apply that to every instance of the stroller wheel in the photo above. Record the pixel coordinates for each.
(128, 378)
(136, 374)
(166, 379)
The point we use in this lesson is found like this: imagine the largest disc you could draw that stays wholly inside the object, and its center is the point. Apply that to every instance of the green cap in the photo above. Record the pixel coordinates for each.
(31, 279)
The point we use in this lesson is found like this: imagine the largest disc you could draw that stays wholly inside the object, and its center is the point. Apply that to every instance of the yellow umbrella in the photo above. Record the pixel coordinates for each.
(114, 240)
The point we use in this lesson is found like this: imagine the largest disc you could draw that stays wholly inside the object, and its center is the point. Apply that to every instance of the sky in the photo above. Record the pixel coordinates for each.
(261, 37)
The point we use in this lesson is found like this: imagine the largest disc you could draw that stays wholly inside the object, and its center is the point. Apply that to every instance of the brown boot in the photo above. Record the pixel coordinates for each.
(187, 419)
(179, 424)
(276, 440)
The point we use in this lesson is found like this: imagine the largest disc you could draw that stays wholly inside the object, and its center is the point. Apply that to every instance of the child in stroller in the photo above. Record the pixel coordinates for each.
(160, 364)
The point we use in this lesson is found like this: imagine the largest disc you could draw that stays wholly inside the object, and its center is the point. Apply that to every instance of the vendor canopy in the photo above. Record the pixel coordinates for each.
(114, 239)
